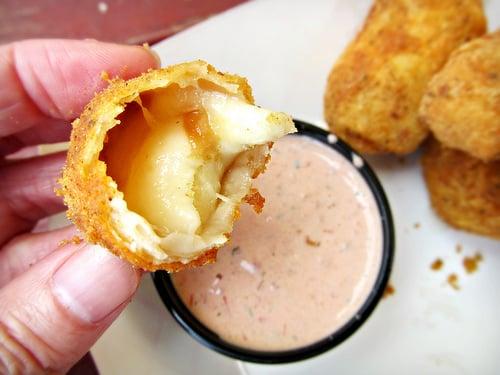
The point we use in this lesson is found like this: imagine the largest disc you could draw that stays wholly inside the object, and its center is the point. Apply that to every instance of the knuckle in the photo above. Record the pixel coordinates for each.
(16, 357)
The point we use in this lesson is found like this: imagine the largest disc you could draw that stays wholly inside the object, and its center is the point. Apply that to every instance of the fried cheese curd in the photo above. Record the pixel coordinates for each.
(374, 90)
(464, 191)
(462, 102)
(158, 165)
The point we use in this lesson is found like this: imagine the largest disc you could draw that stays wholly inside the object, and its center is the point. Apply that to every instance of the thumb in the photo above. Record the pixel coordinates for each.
(51, 315)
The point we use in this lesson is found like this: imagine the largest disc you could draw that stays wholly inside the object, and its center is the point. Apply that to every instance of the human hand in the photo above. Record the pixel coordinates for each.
(55, 301)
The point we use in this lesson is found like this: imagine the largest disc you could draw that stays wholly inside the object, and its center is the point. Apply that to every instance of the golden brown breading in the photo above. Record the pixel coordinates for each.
(374, 89)
(462, 103)
(126, 123)
(464, 191)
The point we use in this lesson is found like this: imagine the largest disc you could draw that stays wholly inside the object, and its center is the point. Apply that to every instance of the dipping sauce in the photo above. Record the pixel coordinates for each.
(302, 268)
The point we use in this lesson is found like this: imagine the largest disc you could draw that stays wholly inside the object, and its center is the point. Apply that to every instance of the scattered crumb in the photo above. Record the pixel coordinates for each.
(105, 76)
(453, 281)
(389, 291)
(471, 263)
(416, 225)
(312, 242)
(437, 264)
(75, 240)
(458, 248)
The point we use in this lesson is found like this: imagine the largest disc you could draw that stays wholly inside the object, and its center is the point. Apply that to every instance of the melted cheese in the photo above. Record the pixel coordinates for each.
(160, 185)
(192, 169)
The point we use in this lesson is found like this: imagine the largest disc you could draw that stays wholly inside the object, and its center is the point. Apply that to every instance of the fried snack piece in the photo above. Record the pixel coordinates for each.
(158, 165)
(464, 191)
(374, 90)
(462, 103)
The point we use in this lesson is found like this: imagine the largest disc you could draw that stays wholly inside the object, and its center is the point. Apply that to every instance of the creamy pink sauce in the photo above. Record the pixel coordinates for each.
(302, 268)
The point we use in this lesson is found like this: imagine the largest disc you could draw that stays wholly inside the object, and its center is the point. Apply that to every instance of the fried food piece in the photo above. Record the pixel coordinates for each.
(158, 165)
(374, 90)
(464, 191)
(462, 103)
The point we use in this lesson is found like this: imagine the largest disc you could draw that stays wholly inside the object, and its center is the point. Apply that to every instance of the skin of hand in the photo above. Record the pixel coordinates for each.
(55, 301)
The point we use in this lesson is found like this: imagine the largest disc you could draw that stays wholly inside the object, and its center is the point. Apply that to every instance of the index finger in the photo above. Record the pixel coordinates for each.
(46, 82)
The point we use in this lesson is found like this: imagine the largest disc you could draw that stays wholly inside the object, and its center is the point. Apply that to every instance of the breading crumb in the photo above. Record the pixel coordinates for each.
(453, 281)
(105, 76)
(437, 264)
(471, 264)
(312, 242)
(389, 291)
(75, 240)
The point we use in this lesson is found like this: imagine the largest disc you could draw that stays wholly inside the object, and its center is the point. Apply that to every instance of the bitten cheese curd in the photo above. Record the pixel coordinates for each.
(158, 165)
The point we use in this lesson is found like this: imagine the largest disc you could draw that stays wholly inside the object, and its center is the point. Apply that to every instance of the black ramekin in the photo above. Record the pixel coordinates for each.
(211, 340)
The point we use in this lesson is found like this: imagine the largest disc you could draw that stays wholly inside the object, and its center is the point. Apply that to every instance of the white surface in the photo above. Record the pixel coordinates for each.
(286, 49)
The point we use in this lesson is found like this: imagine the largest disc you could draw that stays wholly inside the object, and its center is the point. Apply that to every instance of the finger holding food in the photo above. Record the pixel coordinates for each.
(158, 165)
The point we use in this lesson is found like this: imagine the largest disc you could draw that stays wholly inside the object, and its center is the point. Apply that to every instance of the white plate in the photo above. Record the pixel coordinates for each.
(286, 49)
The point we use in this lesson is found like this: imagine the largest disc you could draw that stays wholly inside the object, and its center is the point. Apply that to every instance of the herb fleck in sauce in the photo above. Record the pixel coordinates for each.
(303, 267)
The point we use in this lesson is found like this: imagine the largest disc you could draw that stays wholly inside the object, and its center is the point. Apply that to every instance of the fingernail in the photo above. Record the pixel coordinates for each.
(93, 283)
(153, 53)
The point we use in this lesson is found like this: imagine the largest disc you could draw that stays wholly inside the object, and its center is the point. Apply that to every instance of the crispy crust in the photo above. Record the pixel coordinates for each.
(254, 199)
(374, 90)
(462, 102)
(464, 191)
(86, 188)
